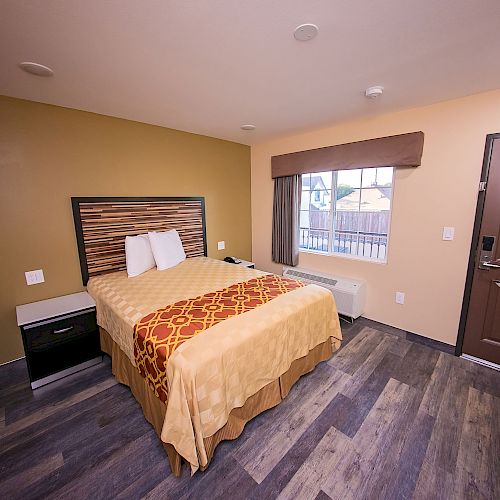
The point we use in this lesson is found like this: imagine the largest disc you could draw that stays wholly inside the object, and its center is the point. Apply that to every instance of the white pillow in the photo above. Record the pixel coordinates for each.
(167, 249)
(138, 255)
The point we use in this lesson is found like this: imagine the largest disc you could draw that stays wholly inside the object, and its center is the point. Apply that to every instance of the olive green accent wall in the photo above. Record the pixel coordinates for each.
(49, 153)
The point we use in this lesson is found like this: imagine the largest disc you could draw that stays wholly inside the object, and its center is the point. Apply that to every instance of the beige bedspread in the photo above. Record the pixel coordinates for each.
(219, 369)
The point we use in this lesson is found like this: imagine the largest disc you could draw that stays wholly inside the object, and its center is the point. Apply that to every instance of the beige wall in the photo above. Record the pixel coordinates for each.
(48, 154)
(441, 192)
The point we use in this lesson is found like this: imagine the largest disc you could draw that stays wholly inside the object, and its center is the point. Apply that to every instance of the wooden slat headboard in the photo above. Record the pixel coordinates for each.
(101, 225)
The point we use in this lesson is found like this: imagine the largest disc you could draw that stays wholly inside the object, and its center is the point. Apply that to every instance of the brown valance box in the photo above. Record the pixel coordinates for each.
(404, 150)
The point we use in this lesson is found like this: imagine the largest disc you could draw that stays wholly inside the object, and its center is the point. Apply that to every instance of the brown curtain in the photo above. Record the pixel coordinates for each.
(286, 209)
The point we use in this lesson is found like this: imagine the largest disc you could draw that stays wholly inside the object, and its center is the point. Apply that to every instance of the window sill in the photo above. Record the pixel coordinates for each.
(344, 256)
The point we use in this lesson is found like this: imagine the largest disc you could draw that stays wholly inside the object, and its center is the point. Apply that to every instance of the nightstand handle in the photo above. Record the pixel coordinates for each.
(63, 330)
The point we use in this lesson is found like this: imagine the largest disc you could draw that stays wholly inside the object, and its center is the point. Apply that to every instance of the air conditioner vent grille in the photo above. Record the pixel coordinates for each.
(312, 277)
(349, 294)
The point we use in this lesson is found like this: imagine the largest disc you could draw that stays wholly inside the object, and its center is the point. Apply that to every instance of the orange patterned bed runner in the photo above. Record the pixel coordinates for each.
(159, 334)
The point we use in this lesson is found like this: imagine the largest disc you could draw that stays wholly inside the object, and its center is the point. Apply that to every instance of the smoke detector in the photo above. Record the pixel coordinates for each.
(305, 32)
(36, 69)
(373, 92)
(248, 127)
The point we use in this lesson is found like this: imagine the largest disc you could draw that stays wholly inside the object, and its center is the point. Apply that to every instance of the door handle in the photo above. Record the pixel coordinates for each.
(491, 264)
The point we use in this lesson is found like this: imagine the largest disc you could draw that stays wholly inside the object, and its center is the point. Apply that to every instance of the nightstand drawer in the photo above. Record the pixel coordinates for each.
(55, 358)
(47, 334)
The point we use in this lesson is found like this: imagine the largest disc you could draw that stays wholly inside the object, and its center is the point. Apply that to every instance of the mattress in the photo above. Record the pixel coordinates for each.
(220, 368)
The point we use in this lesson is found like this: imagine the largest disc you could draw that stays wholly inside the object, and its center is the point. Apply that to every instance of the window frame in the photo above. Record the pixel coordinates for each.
(333, 215)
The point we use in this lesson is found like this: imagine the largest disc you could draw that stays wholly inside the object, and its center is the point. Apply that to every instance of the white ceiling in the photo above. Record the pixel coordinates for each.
(209, 66)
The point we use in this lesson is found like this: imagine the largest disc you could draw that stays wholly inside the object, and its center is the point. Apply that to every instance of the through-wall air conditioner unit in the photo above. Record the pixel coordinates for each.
(349, 294)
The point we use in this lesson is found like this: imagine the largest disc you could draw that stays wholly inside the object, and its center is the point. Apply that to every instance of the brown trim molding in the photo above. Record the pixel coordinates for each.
(404, 150)
(102, 223)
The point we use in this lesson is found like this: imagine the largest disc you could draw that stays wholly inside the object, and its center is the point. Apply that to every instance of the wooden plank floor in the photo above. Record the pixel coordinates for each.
(389, 416)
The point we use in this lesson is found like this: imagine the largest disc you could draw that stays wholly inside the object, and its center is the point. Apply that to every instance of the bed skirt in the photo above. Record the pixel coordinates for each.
(270, 395)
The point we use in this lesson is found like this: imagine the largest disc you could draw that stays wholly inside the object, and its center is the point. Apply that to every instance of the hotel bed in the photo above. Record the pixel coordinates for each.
(204, 346)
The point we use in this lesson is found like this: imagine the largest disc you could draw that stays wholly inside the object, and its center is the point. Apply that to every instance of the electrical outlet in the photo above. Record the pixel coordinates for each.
(400, 297)
(221, 245)
(34, 277)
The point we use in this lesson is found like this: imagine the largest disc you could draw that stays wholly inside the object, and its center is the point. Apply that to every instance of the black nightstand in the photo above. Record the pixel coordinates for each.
(60, 336)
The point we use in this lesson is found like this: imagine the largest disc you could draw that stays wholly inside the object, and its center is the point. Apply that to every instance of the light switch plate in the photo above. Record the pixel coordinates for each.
(34, 277)
(221, 245)
(448, 233)
(400, 297)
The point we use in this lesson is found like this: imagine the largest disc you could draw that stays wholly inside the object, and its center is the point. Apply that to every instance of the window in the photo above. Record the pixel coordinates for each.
(347, 212)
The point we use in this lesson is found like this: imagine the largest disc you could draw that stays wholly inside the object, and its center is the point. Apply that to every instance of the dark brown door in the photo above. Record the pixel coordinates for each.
(482, 317)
